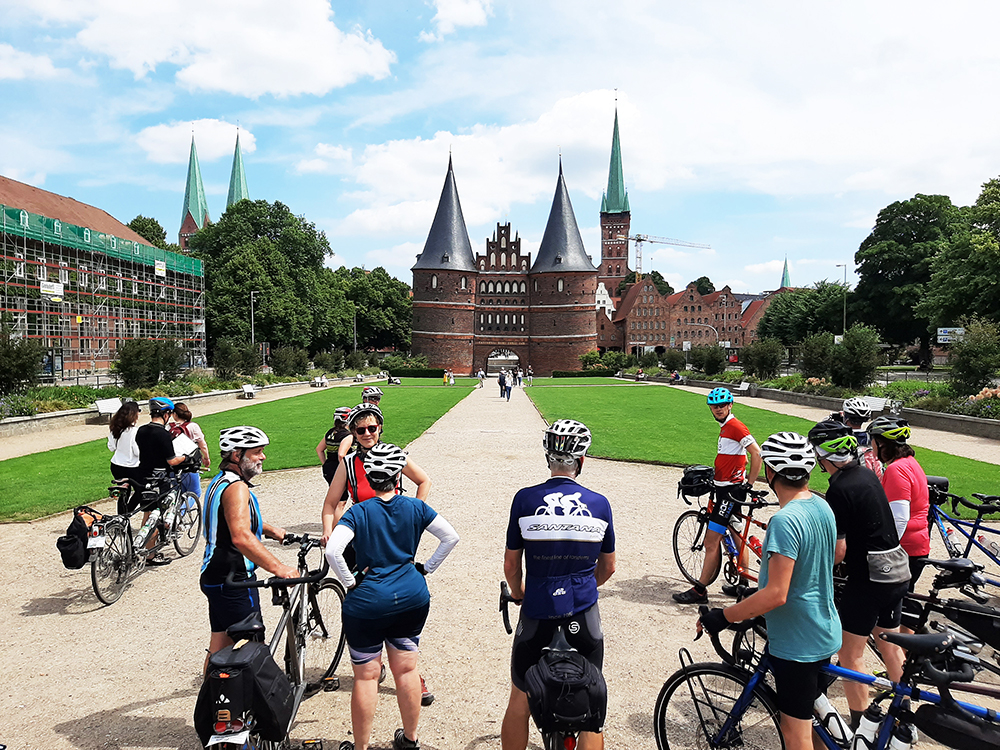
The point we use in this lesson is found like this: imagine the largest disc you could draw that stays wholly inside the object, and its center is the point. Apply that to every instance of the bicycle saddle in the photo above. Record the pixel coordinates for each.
(954, 565)
(929, 644)
(250, 627)
(559, 642)
(938, 483)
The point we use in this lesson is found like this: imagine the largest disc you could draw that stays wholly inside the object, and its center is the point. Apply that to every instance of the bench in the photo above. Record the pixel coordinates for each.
(359, 378)
(879, 404)
(249, 390)
(107, 406)
(318, 382)
(743, 389)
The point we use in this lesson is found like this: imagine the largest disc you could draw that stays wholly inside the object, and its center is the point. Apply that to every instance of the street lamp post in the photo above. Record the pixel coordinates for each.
(253, 329)
(844, 266)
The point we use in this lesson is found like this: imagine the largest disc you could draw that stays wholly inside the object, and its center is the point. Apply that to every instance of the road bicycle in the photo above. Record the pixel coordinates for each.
(564, 738)
(689, 540)
(119, 553)
(309, 634)
(973, 531)
(712, 705)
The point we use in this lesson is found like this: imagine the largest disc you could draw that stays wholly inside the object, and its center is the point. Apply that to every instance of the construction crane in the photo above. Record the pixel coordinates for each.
(638, 239)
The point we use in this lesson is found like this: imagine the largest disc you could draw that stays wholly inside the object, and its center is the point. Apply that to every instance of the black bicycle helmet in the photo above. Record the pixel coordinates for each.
(833, 438)
(893, 429)
(696, 481)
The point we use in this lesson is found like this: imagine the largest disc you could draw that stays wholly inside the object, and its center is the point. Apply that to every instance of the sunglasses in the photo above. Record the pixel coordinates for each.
(370, 429)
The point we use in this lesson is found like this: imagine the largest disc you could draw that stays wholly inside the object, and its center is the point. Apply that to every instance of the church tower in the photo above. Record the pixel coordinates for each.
(444, 287)
(195, 214)
(616, 220)
(238, 179)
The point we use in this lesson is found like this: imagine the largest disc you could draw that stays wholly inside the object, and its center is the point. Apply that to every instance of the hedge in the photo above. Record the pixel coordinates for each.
(417, 372)
(584, 373)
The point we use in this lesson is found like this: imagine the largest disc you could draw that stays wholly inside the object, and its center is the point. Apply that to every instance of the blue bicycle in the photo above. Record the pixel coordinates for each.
(974, 531)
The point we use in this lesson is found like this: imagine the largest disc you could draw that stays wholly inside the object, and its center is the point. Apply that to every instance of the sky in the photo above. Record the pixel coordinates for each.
(767, 130)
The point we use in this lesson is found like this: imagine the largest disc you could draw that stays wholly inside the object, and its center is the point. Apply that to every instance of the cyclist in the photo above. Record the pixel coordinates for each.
(796, 586)
(371, 394)
(731, 484)
(554, 573)
(234, 529)
(328, 448)
(387, 604)
(877, 567)
(156, 457)
(854, 413)
(905, 485)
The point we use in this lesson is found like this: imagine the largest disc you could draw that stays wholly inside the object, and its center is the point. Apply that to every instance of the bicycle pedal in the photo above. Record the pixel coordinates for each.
(330, 684)
(317, 744)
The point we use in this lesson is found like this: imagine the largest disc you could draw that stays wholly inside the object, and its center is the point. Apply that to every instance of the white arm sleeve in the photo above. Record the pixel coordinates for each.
(338, 541)
(445, 532)
(900, 514)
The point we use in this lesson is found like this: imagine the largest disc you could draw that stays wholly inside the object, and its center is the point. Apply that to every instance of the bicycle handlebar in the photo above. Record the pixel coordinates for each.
(313, 576)
(939, 677)
(506, 599)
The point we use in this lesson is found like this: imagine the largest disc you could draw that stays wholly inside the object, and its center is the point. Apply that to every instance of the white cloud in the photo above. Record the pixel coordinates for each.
(396, 260)
(452, 14)
(770, 266)
(251, 48)
(328, 160)
(16, 65)
(171, 143)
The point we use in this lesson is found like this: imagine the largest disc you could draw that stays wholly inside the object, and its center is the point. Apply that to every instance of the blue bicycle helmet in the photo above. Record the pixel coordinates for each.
(719, 396)
(160, 405)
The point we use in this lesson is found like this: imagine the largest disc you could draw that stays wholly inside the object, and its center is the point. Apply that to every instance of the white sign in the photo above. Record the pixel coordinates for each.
(725, 344)
(51, 288)
(160, 267)
(950, 335)
(838, 340)
(686, 346)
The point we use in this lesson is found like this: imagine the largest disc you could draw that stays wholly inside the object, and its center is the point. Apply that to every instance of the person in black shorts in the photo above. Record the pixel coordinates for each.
(156, 457)
(328, 447)
(877, 567)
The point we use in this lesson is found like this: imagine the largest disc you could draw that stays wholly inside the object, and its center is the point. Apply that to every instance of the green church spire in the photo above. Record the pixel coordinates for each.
(194, 194)
(785, 280)
(238, 179)
(615, 200)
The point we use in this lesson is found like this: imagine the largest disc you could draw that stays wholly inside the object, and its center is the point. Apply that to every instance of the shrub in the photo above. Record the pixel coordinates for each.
(16, 405)
(714, 359)
(591, 359)
(762, 359)
(425, 372)
(20, 361)
(137, 362)
(673, 360)
(853, 363)
(975, 359)
(332, 361)
(398, 361)
(355, 361)
(288, 360)
(584, 373)
(814, 355)
(232, 358)
(649, 360)
(614, 361)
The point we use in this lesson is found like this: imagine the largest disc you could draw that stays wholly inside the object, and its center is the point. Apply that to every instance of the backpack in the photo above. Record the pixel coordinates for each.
(73, 545)
(244, 680)
(566, 693)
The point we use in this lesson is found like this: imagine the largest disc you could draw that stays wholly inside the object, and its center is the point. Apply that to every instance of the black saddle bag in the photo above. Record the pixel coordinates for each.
(956, 731)
(72, 545)
(566, 693)
(244, 680)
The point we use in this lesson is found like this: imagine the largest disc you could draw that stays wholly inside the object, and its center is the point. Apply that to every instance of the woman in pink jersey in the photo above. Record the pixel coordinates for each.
(905, 485)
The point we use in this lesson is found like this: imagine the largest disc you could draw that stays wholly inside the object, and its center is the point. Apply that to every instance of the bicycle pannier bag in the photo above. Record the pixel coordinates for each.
(979, 619)
(566, 692)
(696, 481)
(73, 546)
(956, 731)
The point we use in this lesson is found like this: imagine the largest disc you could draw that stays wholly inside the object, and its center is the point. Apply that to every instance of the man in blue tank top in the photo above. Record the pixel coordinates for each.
(560, 548)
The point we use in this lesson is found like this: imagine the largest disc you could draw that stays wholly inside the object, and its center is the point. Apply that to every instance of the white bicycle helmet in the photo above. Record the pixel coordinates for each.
(242, 438)
(341, 413)
(789, 454)
(858, 409)
(364, 410)
(371, 392)
(567, 437)
(384, 462)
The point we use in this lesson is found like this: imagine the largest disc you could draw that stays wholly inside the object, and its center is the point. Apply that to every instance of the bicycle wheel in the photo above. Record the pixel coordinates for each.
(696, 701)
(111, 566)
(187, 524)
(689, 544)
(325, 633)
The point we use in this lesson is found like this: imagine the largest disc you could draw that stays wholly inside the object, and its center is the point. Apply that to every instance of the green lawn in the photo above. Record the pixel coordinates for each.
(663, 425)
(544, 382)
(44, 483)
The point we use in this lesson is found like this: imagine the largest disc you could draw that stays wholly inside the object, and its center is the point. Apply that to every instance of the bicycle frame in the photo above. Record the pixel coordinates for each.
(940, 518)
(735, 551)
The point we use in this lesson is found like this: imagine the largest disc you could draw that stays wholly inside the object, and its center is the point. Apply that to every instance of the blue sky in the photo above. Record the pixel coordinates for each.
(765, 129)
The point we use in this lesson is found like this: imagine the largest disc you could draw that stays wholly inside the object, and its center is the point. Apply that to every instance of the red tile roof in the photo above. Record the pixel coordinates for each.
(37, 201)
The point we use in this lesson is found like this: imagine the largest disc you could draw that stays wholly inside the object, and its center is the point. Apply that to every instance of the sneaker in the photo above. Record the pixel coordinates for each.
(426, 697)
(400, 742)
(730, 589)
(692, 596)
(158, 559)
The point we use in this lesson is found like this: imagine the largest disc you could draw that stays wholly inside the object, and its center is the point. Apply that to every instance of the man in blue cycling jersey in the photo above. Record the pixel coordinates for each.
(554, 569)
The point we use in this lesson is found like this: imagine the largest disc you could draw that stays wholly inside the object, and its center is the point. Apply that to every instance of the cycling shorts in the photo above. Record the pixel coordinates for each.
(366, 636)
(798, 684)
(916, 568)
(583, 631)
(864, 606)
(722, 506)
(228, 605)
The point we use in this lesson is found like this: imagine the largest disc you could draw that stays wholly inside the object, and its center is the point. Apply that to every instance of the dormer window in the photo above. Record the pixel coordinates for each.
(558, 259)
(444, 258)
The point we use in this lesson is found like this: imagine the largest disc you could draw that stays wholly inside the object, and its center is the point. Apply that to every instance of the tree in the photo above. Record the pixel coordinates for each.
(140, 362)
(384, 309)
(762, 359)
(712, 357)
(814, 355)
(614, 361)
(704, 285)
(853, 363)
(894, 266)
(589, 360)
(20, 360)
(288, 361)
(151, 229)
(794, 315)
(976, 358)
(673, 360)
(661, 284)
(232, 358)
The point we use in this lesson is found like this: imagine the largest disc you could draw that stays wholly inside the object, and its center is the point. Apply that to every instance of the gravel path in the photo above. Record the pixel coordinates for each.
(79, 675)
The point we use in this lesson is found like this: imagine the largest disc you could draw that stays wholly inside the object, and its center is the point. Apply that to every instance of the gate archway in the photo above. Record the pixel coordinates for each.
(501, 359)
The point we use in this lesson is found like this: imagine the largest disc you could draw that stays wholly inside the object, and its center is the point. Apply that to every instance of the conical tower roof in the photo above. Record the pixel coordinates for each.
(615, 199)
(562, 248)
(238, 179)
(786, 281)
(448, 246)
(194, 194)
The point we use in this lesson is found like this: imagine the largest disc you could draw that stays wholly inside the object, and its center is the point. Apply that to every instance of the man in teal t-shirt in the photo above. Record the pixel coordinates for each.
(796, 586)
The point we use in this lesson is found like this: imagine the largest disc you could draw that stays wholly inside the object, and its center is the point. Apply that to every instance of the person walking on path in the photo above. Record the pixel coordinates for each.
(387, 604)
(554, 575)
(502, 380)
(796, 587)
(731, 484)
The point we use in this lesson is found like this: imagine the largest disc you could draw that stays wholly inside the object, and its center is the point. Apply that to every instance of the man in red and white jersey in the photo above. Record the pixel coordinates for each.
(731, 484)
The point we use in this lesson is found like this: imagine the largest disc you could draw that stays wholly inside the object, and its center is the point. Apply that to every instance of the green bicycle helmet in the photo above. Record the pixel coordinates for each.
(719, 397)
(893, 429)
(833, 438)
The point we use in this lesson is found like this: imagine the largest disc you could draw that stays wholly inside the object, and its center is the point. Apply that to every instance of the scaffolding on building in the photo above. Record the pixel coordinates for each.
(81, 292)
